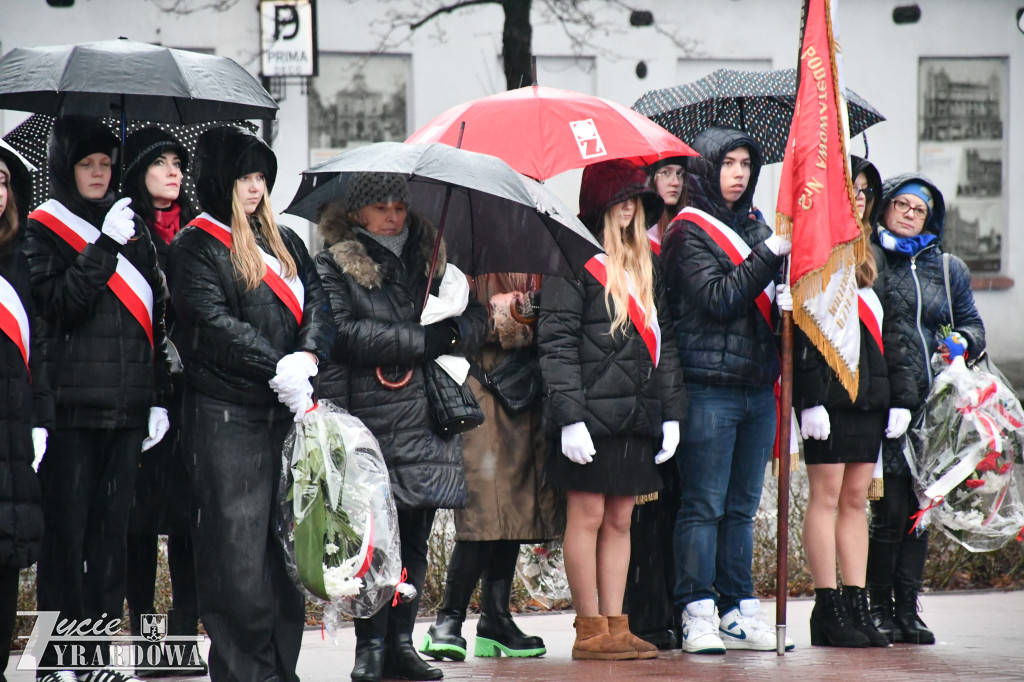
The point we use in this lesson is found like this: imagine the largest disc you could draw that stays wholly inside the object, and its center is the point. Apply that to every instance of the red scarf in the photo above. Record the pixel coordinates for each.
(166, 224)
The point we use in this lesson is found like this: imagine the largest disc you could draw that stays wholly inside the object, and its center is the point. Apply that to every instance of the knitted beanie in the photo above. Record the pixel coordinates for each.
(375, 188)
(919, 191)
(145, 146)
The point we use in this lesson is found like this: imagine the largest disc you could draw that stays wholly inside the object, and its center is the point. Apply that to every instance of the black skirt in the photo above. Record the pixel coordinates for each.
(855, 438)
(622, 466)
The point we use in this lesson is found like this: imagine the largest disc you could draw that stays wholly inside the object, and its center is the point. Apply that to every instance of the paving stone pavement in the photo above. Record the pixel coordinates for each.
(980, 635)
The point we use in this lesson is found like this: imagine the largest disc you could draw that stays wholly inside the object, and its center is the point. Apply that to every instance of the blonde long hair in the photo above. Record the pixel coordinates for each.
(629, 252)
(245, 254)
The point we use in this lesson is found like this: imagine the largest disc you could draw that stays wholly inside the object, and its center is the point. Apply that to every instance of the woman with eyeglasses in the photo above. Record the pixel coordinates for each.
(917, 321)
(668, 179)
(842, 437)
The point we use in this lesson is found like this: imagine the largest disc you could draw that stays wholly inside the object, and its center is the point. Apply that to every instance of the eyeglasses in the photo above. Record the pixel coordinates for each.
(668, 174)
(866, 191)
(902, 206)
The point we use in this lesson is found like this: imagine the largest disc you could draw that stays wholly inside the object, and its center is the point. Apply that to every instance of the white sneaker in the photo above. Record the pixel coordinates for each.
(742, 628)
(699, 633)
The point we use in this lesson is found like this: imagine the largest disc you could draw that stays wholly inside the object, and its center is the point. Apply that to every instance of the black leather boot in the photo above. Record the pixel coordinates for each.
(856, 599)
(444, 638)
(402, 661)
(830, 624)
(912, 628)
(496, 632)
(882, 614)
(185, 623)
(369, 660)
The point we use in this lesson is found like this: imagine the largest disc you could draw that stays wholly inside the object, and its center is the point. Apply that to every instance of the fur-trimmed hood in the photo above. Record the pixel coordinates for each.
(348, 248)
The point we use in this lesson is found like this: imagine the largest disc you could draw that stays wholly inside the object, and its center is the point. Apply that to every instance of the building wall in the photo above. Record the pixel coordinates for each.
(457, 58)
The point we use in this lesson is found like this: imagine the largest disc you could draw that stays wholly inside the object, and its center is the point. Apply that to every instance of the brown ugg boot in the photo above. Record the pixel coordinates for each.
(593, 642)
(618, 627)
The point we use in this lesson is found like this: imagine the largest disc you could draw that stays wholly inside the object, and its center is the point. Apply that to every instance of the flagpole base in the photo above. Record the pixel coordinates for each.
(780, 640)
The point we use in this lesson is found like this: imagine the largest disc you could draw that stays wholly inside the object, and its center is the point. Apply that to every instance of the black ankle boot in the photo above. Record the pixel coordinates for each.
(856, 600)
(911, 627)
(830, 624)
(444, 637)
(496, 632)
(369, 660)
(402, 661)
(882, 614)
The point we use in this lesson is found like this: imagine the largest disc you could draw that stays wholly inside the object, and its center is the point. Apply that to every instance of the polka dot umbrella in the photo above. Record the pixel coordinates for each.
(758, 102)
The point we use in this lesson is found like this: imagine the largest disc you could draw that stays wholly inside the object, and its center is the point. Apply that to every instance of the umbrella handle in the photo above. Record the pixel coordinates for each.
(393, 385)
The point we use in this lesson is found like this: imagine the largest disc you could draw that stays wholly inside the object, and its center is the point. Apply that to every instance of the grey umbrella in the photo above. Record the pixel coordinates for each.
(128, 79)
(496, 219)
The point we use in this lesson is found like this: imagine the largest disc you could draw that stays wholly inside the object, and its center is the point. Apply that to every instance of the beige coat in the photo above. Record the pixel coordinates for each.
(504, 457)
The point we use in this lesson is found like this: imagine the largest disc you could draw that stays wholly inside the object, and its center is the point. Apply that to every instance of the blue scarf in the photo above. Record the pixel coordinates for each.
(910, 246)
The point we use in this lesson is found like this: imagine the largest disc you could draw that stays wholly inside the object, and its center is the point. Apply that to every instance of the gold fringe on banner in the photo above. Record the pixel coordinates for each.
(877, 489)
(644, 499)
(794, 464)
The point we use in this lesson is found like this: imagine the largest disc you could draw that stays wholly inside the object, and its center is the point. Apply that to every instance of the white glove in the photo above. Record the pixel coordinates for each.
(577, 444)
(784, 297)
(669, 441)
(38, 446)
(119, 223)
(299, 363)
(814, 423)
(780, 246)
(158, 425)
(899, 420)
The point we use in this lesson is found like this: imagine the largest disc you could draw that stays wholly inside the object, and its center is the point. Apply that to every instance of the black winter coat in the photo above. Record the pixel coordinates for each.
(27, 403)
(607, 381)
(916, 307)
(231, 338)
(722, 337)
(376, 299)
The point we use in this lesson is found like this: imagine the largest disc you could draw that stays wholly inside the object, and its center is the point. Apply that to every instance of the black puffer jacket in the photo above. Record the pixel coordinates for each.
(376, 299)
(231, 338)
(27, 403)
(103, 370)
(723, 339)
(916, 307)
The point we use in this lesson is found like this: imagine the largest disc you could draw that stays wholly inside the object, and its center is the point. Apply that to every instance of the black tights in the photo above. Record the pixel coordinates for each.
(895, 553)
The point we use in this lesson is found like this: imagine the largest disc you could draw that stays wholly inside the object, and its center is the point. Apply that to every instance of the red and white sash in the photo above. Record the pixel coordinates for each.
(650, 333)
(289, 290)
(869, 309)
(13, 318)
(127, 283)
(654, 239)
(734, 247)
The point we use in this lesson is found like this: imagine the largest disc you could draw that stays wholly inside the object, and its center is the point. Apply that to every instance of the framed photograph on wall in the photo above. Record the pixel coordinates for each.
(962, 147)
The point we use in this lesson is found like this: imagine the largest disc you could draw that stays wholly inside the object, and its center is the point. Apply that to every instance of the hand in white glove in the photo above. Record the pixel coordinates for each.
(119, 223)
(669, 442)
(780, 246)
(299, 363)
(784, 297)
(577, 444)
(38, 446)
(158, 425)
(814, 423)
(899, 420)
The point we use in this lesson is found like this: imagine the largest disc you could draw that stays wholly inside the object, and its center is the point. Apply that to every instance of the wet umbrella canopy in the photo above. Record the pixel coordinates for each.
(497, 220)
(758, 102)
(131, 79)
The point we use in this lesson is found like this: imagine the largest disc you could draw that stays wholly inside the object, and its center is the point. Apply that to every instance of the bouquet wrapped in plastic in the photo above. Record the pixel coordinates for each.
(542, 570)
(340, 528)
(967, 457)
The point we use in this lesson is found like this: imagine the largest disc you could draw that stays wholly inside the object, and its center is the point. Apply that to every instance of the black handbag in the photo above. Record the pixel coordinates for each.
(453, 407)
(515, 381)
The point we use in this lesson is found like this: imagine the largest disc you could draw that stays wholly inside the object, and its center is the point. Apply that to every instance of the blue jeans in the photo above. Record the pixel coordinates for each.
(730, 431)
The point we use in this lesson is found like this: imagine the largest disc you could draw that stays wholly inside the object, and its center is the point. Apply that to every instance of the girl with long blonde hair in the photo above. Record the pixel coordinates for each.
(614, 398)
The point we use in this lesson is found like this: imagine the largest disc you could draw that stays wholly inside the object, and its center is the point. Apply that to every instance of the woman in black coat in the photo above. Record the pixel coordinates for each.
(238, 337)
(27, 409)
(97, 287)
(916, 310)
(374, 268)
(613, 395)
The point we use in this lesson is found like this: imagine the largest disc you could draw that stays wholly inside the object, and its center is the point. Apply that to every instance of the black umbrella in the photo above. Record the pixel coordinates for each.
(130, 80)
(758, 102)
(30, 139)
(495, 219)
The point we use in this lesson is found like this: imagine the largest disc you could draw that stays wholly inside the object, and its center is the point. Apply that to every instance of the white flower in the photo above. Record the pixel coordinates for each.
(331, 549)
(339, 582)
(531, 570)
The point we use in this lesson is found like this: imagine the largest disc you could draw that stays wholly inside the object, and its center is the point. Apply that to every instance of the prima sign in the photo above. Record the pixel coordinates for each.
(287, 38)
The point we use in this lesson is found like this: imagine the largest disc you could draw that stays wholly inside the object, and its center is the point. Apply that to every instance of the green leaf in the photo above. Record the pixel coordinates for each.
(309, 549)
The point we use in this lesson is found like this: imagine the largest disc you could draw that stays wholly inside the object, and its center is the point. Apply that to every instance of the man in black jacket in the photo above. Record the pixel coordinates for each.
(721, 263)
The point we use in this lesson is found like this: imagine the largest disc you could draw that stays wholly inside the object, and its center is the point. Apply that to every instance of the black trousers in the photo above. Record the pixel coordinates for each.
(141, 583)
(895, 554)
(650, 583)
(252, 611)
(413, 531)
(86, 479)
(8, 614)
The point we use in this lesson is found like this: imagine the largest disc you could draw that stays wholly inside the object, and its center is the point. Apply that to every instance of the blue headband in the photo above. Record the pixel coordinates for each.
(919, 191)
